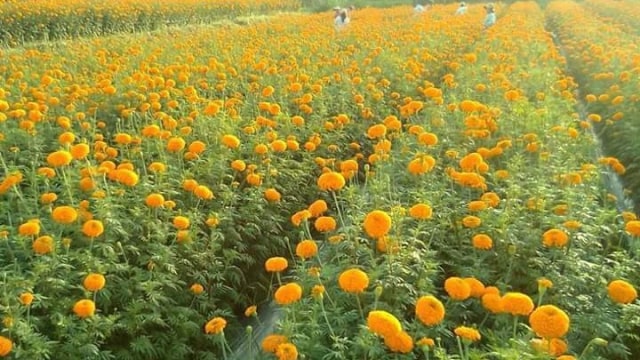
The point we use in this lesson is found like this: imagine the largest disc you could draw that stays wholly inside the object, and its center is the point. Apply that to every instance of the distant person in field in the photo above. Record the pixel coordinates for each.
(462, 9)
(419, 8)
(341, 17)
(490, 19)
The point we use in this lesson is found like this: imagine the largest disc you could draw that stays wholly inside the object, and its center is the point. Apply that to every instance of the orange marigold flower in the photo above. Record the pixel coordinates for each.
(197, 289)
(43, 245)
(92, 228)
(318, 208)
(306, 249)
(238, 165)
(215, 326)
(549, 322)
(383, 323)
(251, 311)
(376, 131)
(300, 216)
(175, 144)
(84, 308)
(59, 158)
(353, 281)
(94, 282)
(492, 302)
(331, 181)
(276, 264)
(517, 303)
(272, 195)
(154, 200)
(430, 310)
(457, 289)
(426, 342)
(633, 227)
(64, 214)
(287, 351)
(544, 283)
(621, 292)
(476, 286)
(467, 333)
(271, 342)
(377, 224)
(325, 224)
(471, 221)
(48, 198)
(482, 242)
(181, 222)
(400, 342)
(421, 211)
(288, 294)
(6, 345)
(30, 228)
(555, 238)
(230, 141)
(26, 298)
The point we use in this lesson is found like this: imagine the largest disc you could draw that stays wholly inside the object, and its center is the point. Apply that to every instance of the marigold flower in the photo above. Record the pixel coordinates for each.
(331, 181)
(421, 211)
(633, 227)
(94, 282)
(457, 289)
(175, 144)
(467, 333)
(544, 283)
(549, 322)
(300, 216)
(203, 192)
(476, 286)
(92, 228)
(377, 224)
(482, 242)
(272, 195)
(181, 222)
(426, 342)
(197, 147)
(376, 131)
(517, 303)
(30, 228)
(492, 302)
(622, 292)
(251, 311)
(238, 165)
(555, 238)
(477, 205)
(6, 345)
(276, 264)
(399, 342)
(215, 326)
(287, 351)
(317, 291)
(79, 151)
(471, 221)
(230, 141)
(84, 308)
(353, 281)
(325, 224)
(59, 158)
(421, 165)
(196, 289)
(43, 245)
(288, 294)
(430, 310)
(154, 200)
(26, 298)
(306, 249)
(553, 347)
(318, 208)
(64, 214)
(271, 342)
(383, 323)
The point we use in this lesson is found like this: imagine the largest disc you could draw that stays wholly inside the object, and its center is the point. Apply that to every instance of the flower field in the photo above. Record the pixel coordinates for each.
(407, 187)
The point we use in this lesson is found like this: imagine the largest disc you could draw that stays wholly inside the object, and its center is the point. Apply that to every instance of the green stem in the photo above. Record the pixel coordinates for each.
(360, 307)
(326, 319)
(515, 326)
(463, 355)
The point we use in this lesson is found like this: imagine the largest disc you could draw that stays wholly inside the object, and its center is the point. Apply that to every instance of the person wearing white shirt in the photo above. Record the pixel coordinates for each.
(462, 9)
(490, 19)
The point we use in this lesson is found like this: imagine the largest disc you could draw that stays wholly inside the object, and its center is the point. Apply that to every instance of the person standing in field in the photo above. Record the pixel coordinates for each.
(462, 9)
(341, 17)
(490, 19)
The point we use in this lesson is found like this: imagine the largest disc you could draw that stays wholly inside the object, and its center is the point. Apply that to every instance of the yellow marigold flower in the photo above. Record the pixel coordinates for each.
(276, 264)
(30, 228)
(457, 289)
(555, 238)
(251, 311)
(288, 294)
(421, 211)
(272, 195)
(48, 198)
(633, 227)
(197, 289)
(544, 283)
(271, 342)
(430, 310)
(482, 242)
(400, 342)
(331, 181)
(318, 208)
(64, 214)
(476, 286)
(92, 228)
(215, 326)
(154, 200)
(517, 303)
(325, 224)
(317, 291)
(426, 342)
(306, 249)
(203, 192)
(467, 333)
(383, 323)
(84, 308)
(353, 281)
(43, 245)
(572, 224)
(157, 167)
(6, 345)
(181, 222)
(471, 221)
(549, 322)
(287, 351)
(94, 282)
(621, 292)
(59, 158)
(377, 224)
(26, 298)
(230, 141)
